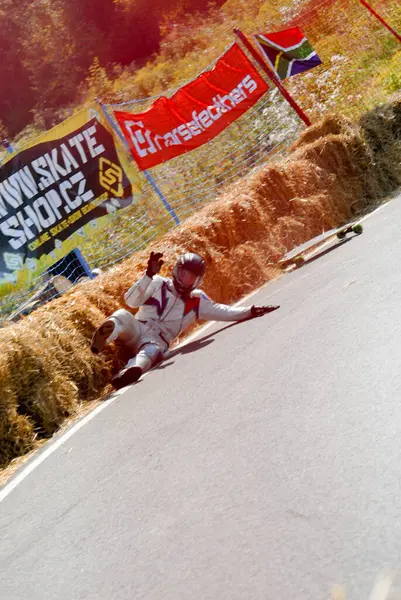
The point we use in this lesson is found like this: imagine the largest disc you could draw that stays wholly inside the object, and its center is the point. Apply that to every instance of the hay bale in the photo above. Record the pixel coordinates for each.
(42, 391)
(17, 433)
(349, 159)
(382, 131)
(334, 124)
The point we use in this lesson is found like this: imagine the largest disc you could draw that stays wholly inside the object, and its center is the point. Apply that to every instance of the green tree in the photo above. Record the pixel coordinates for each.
(17, 97)
(48, 47)
(51, 56)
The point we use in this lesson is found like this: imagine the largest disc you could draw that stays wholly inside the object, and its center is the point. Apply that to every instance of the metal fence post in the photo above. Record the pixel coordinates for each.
(380, 18)
(162, 197)
(148, 176)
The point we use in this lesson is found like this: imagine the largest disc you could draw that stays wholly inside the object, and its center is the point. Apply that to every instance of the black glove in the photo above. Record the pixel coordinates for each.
(259, 311)
(154, 264)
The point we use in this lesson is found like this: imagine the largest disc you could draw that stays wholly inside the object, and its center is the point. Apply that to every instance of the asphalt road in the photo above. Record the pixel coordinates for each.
(262, 462)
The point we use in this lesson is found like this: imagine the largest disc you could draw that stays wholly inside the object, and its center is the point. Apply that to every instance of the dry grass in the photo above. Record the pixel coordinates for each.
(382, 130)
(334, 172)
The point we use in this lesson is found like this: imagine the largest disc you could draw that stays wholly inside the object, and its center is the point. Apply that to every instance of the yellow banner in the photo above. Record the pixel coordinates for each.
(62, 188)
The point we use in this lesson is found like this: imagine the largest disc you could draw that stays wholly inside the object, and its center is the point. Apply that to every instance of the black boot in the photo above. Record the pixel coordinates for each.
(126, 377)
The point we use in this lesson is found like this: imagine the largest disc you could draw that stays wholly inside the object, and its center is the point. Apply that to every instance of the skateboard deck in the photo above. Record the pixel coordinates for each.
(298, 256)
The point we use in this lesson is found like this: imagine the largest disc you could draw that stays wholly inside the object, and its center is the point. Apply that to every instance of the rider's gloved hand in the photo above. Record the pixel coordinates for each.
(259, 311)
(154, 264)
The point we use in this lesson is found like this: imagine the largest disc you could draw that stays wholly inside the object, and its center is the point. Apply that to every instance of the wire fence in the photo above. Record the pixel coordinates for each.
(361, 58)
(361, 68)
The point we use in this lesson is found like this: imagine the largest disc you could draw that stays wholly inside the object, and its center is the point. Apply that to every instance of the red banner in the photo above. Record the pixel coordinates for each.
(196, 113)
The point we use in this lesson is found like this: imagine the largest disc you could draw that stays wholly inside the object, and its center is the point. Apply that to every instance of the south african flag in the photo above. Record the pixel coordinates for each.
(288, 52)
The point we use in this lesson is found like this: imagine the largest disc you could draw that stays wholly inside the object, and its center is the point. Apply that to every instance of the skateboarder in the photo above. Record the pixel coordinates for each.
(167, 307)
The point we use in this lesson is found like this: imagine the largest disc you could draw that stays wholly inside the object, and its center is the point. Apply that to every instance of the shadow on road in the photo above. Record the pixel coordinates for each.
(196, 345)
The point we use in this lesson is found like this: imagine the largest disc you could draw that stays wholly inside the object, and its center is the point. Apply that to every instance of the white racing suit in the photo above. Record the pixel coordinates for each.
(162, 316)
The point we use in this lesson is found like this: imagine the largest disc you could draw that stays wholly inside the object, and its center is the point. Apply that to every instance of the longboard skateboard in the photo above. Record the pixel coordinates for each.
(297, 256)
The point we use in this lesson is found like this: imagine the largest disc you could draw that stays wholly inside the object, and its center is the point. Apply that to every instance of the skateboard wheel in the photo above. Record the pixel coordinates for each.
(299, 261)
(341, 235)
(357, 229)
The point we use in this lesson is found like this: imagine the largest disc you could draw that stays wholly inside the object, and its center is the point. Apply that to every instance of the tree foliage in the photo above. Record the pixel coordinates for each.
(48, 47)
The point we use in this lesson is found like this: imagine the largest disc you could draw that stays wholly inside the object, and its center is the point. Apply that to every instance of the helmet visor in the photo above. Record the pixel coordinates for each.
(186, 278)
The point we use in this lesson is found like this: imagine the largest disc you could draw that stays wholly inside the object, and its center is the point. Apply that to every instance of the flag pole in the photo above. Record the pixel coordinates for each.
(263, 65)
(379, 18)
